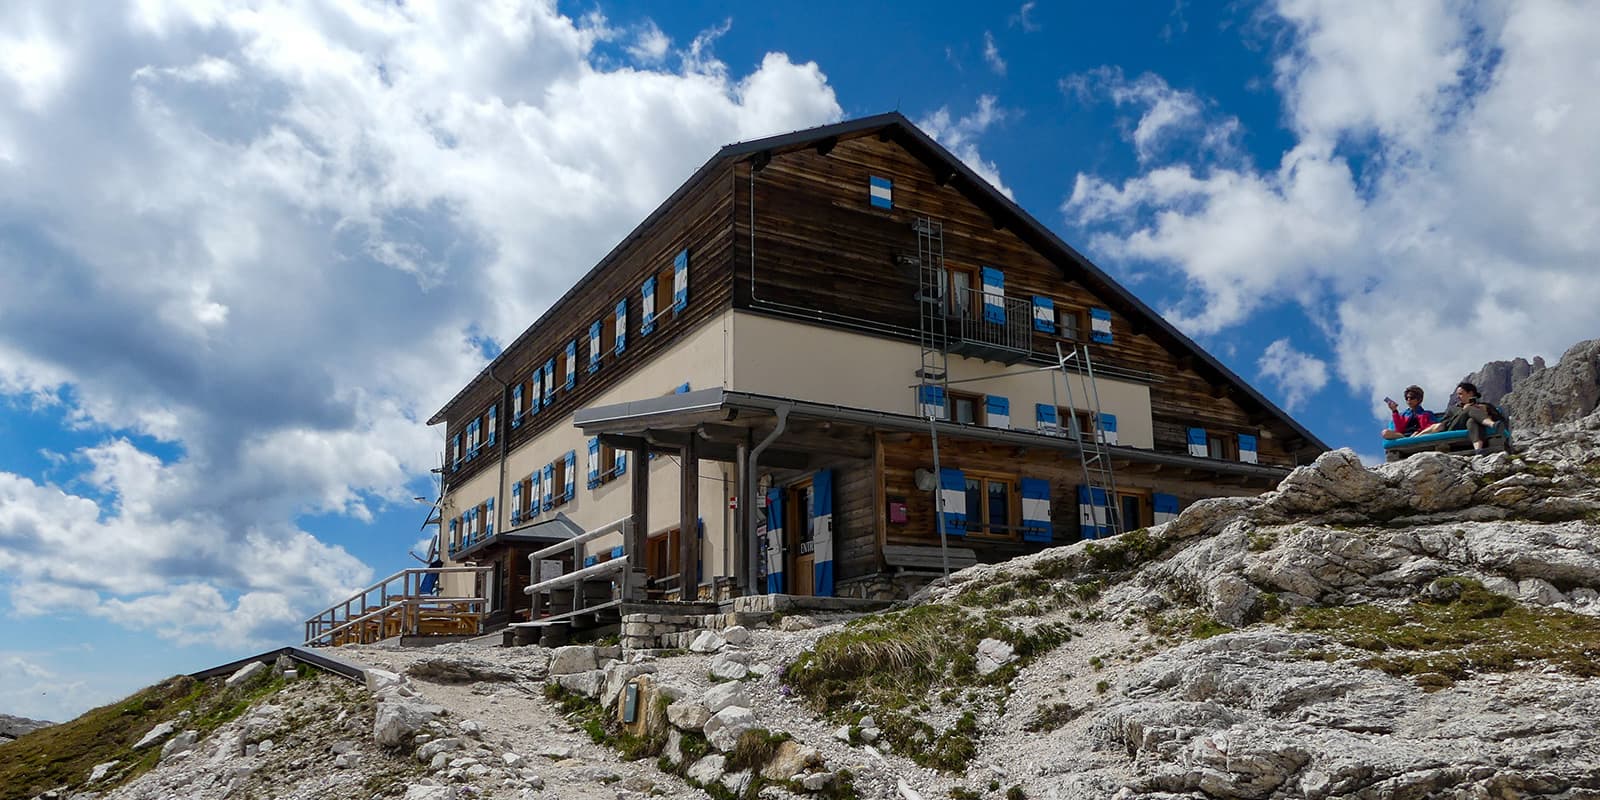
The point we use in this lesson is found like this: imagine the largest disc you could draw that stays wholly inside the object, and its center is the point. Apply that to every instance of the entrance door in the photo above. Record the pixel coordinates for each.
(800, 530)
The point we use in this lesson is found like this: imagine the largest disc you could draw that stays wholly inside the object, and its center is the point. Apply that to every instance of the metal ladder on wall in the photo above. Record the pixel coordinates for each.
(1098, 475)
(932, 325)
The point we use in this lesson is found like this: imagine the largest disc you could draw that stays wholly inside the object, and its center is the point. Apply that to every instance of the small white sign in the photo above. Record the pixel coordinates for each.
(550, 568)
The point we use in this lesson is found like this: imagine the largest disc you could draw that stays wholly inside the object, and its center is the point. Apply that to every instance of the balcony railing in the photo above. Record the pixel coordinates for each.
(993, 328)
(403, 604)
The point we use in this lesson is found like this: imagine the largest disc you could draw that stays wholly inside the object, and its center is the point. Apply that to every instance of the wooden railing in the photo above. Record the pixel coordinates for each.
(589, 571)
(396, 606)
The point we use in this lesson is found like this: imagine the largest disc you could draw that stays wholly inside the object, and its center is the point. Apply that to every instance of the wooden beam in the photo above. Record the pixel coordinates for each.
(719, 432)
(826, 146)
(760, 161)
(689, 521)
(640, 512)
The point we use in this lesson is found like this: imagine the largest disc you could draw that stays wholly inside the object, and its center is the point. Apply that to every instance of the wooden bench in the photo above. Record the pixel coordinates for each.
(909, 559)
(1495, 440)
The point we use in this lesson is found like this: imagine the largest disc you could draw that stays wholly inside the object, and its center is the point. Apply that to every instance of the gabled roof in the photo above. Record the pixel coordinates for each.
(949, 170)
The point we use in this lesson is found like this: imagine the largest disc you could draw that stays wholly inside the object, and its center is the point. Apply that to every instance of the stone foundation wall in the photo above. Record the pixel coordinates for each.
(677, 631)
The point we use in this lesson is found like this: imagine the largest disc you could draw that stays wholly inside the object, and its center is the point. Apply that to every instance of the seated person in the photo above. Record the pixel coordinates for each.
(1471, 415)
(1413, 419)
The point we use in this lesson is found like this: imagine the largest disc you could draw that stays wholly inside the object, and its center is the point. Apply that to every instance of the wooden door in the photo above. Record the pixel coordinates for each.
(799, 530)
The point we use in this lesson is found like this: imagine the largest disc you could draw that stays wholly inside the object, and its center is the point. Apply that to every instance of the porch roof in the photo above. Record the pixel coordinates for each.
(722, 417)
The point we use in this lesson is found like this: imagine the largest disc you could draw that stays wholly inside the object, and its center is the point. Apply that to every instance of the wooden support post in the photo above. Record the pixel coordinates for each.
(688, 524)
(639, 532)
(742, 529)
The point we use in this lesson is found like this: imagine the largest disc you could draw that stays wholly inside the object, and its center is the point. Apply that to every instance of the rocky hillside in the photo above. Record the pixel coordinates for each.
(1428, 628)
(13, 727)
(1536, 397)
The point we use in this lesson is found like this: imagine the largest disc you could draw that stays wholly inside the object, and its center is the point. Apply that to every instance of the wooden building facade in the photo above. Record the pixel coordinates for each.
(766, 334)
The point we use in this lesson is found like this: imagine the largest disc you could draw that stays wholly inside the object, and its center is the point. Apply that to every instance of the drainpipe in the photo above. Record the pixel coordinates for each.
(747, 493)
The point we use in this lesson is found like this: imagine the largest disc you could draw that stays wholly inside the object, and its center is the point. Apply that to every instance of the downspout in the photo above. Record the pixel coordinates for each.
(747, 490)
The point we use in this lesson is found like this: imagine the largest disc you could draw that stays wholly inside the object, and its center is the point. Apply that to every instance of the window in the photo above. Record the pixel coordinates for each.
(964, 408)
(664, 294)
(1134, 507)
(989, 504)
(608, 339)
(525, 499)
(956, 286)
(1078, 424)
(661, 555)
(1220, 446)
(1069, 323)
(608, 462)
(559, 482)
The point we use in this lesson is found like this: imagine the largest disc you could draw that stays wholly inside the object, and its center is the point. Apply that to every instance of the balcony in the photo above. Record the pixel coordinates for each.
(998, 330)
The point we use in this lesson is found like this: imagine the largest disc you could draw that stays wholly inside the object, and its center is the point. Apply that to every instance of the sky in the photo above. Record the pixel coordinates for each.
(247, 249)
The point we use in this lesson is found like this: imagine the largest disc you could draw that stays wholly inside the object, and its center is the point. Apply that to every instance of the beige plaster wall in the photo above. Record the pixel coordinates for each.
(792, 359)
(701, 359)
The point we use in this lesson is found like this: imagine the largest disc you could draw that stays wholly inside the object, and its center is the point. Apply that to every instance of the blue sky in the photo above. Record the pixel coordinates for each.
(247, 251)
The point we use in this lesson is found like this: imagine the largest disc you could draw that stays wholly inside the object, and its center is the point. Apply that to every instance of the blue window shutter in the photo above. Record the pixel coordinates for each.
(594, 461)
(594, 346)
(1100, 325)
(535, 487)
(774, 541)
(1045, 414)
(994, 295)
(880, 192)
(822, 537)
(1165, 507)
(622, 462)
(549, 381)
(647, 307)
(549, 487)
(1044, 314)
(455, 451)
(1092, 516)
(516, 502)
(680, 282)
(1247, 448)
(572, 365)
(572, 474)
(452, 535)
(494, 416)
(535, 382)
(516, 405)
(622, 326)
(953, 500)
(683, 388)
(1035, 510)
(1197, 442)
(997, 411)
(488, 522)
(1108, 428)
(930, 401)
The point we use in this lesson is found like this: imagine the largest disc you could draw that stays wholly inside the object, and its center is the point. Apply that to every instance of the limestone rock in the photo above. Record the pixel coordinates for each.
(452, 670)
(993, 654)
(383, 683)
(246, 674)
(418, 792)
(398, 719)
(796, 622)
(617, 676)
(726, 726)
(181, 743)
(706, 642)
(707, 770)
(728, 669)
(156, 734)
(100, 770)
(723, 695)
(587, 683)
(736, 634)
(572, 659)
(736, 782)
(688, 715)
(791, 759)
(1565, 392)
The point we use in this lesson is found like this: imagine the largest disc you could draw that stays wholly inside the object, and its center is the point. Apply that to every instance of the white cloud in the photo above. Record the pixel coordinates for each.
(1439, 191)
(267, 234)
(1023, 18)
(650, 45)
(991, 54)
(1298, 375)
(1165, 113)
(960, 136)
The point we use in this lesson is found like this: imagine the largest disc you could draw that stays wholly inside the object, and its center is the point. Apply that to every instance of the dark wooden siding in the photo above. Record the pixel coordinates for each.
(903, 453)
(822, 251)
(855, 538)
(701, 222)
